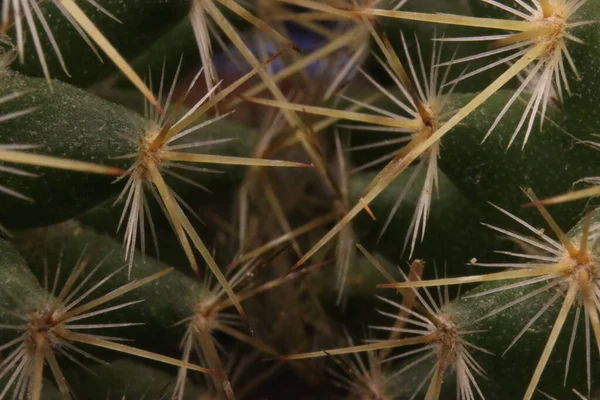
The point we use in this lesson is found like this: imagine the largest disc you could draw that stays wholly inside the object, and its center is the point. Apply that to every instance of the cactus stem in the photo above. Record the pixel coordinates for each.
(209, 317)
(50, 328)
(14, 153)
(79, 311)
(427, 101)
(183, 227)
(548, 25)
(88, 30)
(571, 268)
(88, 26)
(443, 339)
(576, 194)
(402, 161)
(157, 155)
(16, 171)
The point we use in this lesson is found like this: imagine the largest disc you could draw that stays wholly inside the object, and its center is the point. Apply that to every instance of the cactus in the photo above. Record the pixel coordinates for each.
(238, 199)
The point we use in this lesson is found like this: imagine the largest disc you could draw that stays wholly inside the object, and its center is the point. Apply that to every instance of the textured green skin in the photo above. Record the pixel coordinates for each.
(452, 224)
(178, 42)
(581, 108)
(19, 288)
(486, 10)
(360, 293)
(362, 274)
(49, 391)
(394, 27)
(93, 130)
(143, 21)
(242, 144)
(68, 123)
(507, 324)
(509, 376)
(104, 220)
(20, 293)
(105, 217)
(160, 309)
(124, 377)
(583, 116)
(549, 164)
(518, 364)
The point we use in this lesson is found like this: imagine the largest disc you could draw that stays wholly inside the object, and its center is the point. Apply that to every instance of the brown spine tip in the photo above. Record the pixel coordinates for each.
(273, 57)
(367, 209)
(116, 171)
(532, 204)
(286, 357)
(296, 48)
(158, 107)
(219, 375)
(246, 98)
(495, 45)
(243, 314)
(231, 265)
